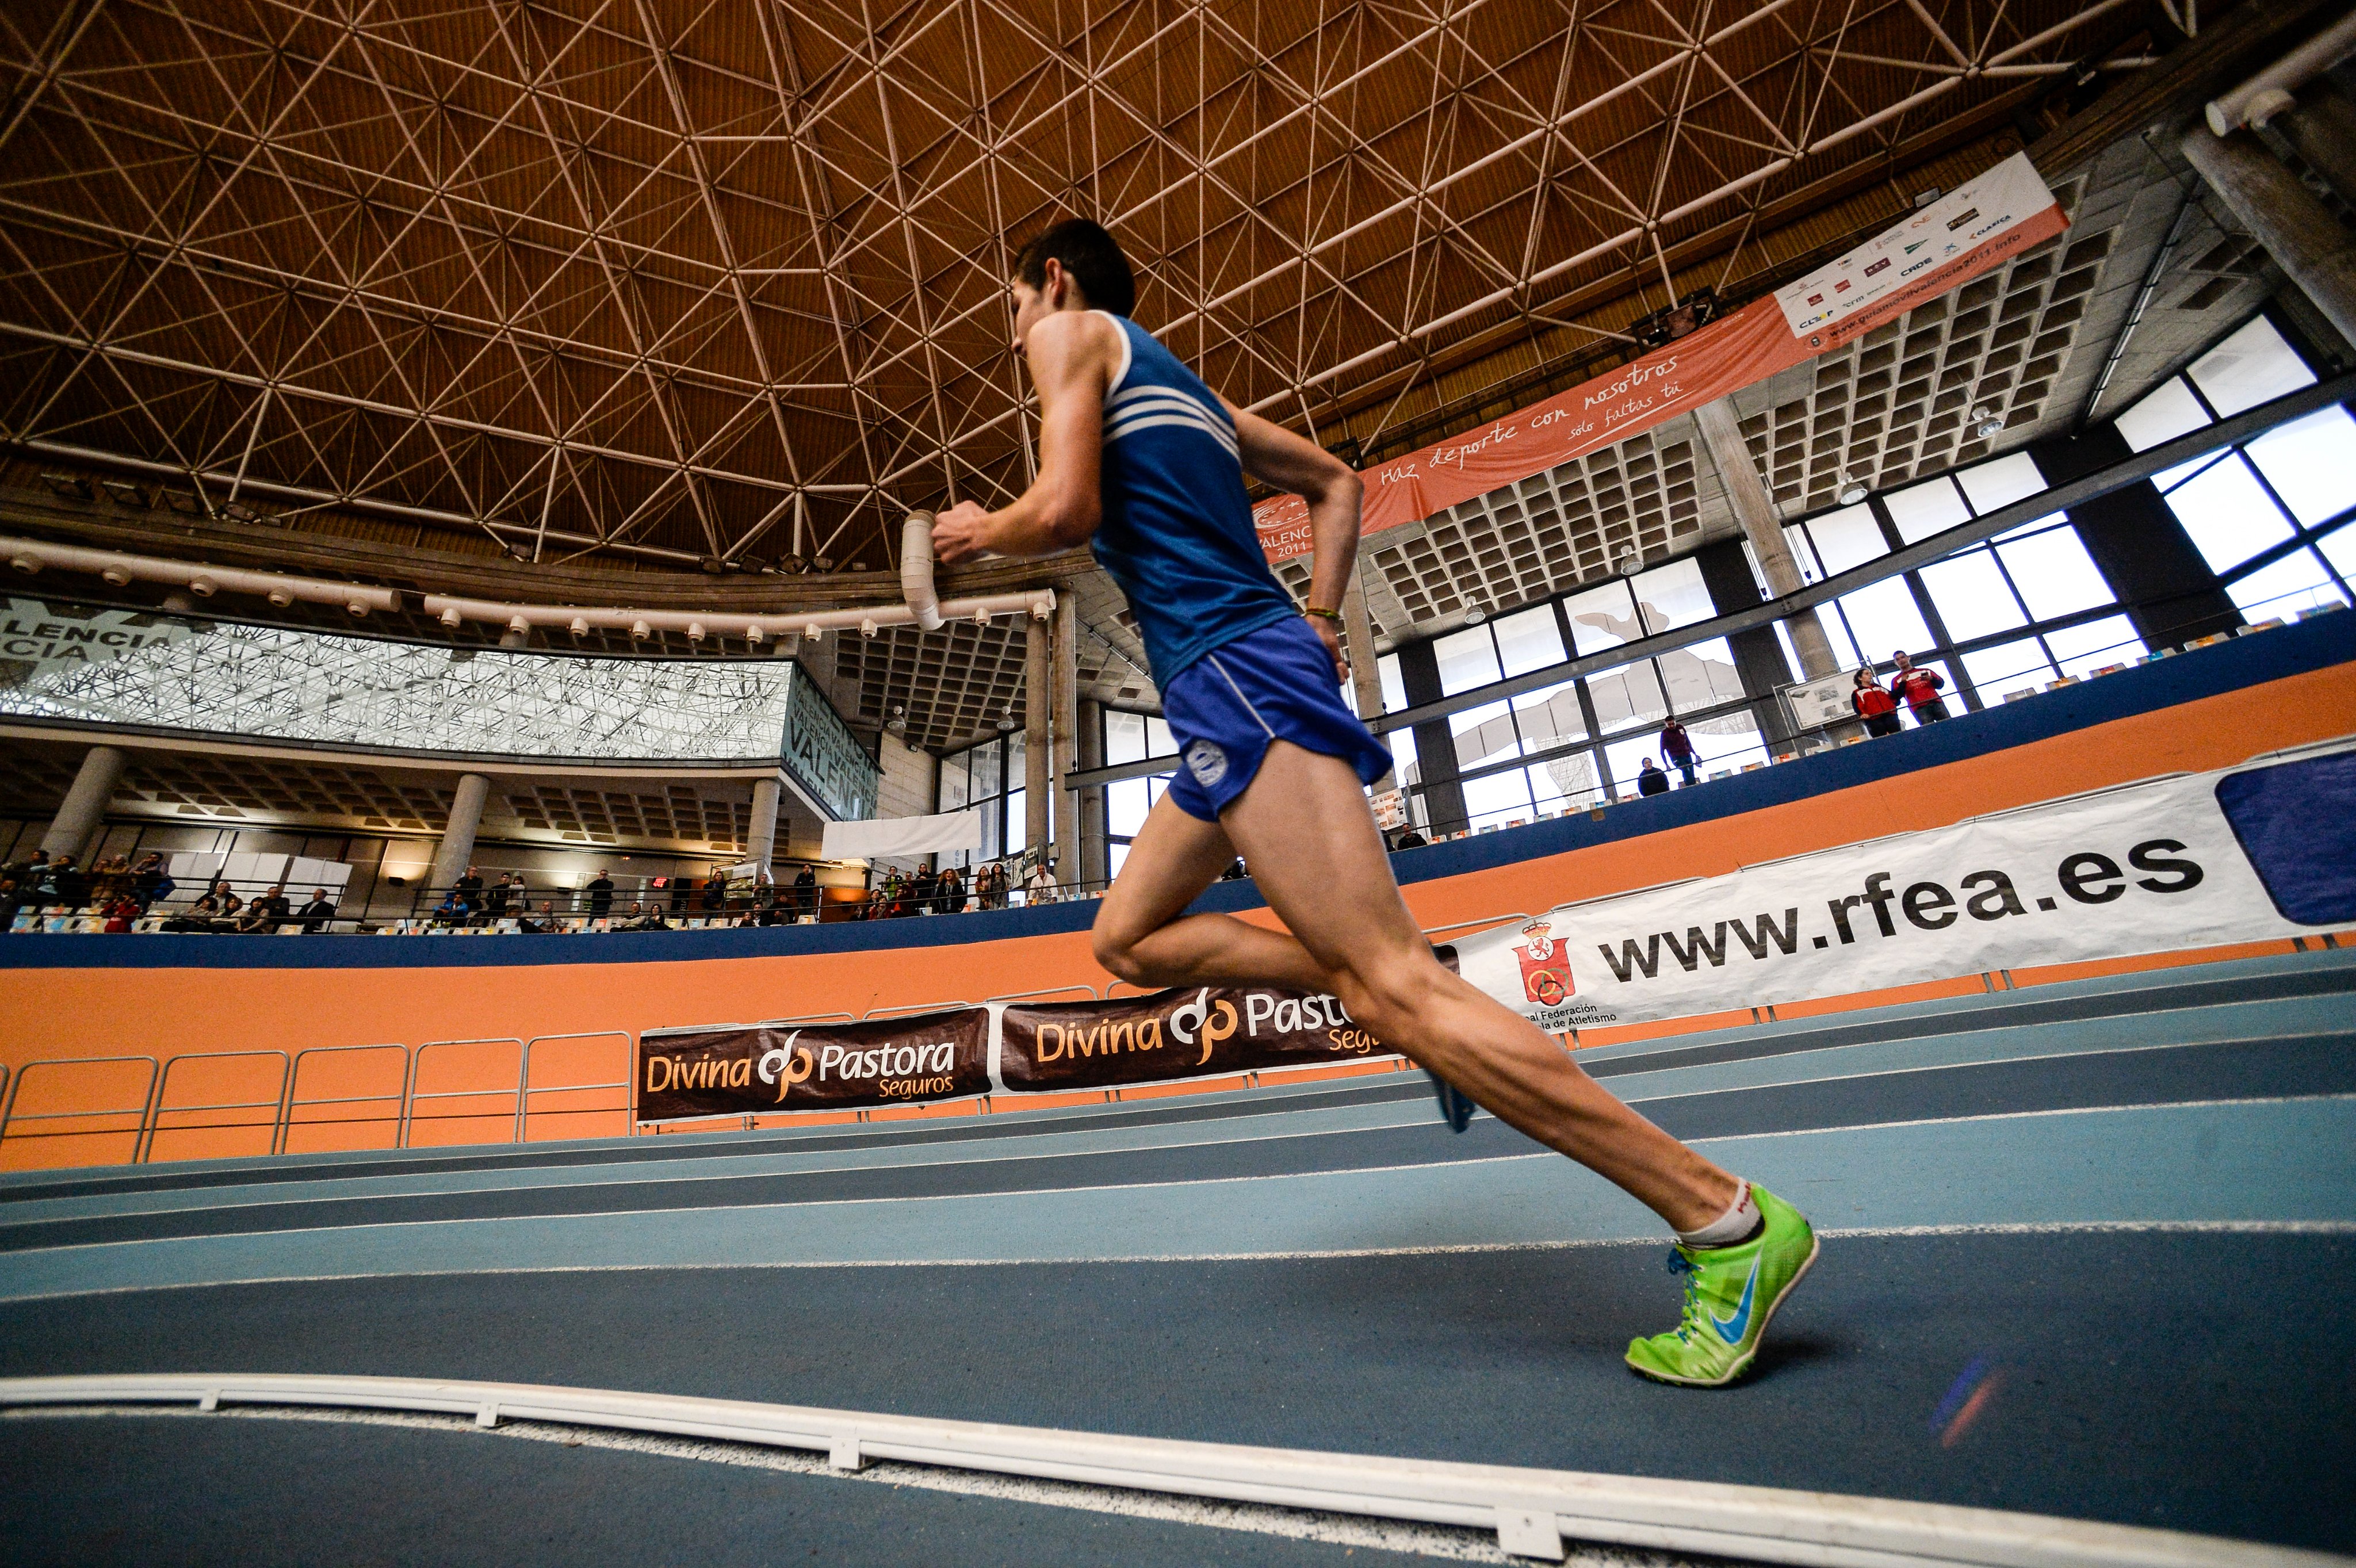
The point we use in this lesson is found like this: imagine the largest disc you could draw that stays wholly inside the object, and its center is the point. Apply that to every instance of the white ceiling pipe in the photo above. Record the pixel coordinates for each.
(30, 555)
(1039, 603)
(916, 570)
(2304, 64)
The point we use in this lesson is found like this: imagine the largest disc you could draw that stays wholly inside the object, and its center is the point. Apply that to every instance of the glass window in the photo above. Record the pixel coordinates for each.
(991, 837)
(1467, 659)
(1126, 804)
(1017, 771)
(1672, 595)
(2011, 666)
(1018, 821)
(2229, 516)
(2284, 588)
(1159, 741)
(1550, 717)
(1124, 737)
(1603, 618)
(1847, 537)
(2053, 573)
(1972, 597)
(1529, 639)
(1569, 779)
(953, 782)
(1483, 734)
(2083, 650)
(1729, 740)
(1493, 800)
(985, 770)
(2000, 483)
(2339, 549)
(1628, 696)
(1835, 629)
(1883, 619)
(1700, 675)
(1394, 689)
(1402, 745)
(1921, 511)
(2311, 464)
(1114, 855)
(2167, 411)
(2253, 366)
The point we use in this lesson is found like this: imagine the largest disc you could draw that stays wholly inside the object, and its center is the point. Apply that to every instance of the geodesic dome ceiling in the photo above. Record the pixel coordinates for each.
(664, 283)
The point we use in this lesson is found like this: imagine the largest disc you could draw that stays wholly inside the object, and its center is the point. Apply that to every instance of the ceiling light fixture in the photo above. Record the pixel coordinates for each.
(1851, 490)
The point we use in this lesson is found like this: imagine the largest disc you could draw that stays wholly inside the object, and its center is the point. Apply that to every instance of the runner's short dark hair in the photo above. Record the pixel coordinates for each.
(1090, 256)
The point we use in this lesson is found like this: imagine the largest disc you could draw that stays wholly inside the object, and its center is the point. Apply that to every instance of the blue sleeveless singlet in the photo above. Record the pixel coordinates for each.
(1177, 533)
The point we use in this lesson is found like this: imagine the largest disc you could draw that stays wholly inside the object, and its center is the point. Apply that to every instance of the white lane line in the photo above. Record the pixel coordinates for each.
(1124, 1259)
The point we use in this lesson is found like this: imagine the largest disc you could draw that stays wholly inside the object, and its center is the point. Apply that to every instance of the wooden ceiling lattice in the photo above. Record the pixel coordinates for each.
(675, 282)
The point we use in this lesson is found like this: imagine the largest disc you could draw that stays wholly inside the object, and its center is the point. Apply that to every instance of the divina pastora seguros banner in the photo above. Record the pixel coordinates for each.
(2198, 860)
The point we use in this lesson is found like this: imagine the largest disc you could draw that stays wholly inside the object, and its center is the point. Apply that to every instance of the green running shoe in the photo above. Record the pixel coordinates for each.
(1731, 1294)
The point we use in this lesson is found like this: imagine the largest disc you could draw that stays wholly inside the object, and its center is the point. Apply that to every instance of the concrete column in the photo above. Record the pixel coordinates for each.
(84, 810)
(1358, 642)
(1721, 431)
(458, 845)
(1095, 847)
(1038, 707)
(761, 843)
(1066, 670)
(2298, 230)
(2323, 131)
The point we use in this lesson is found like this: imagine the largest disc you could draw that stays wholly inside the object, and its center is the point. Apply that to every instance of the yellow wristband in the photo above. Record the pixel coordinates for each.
(1335, 616)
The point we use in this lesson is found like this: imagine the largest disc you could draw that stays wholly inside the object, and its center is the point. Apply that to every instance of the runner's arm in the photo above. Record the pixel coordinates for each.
(1331, 488)
(1071, 355)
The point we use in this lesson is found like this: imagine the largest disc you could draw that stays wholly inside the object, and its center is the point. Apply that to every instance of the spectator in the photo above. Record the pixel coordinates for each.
(68, 883)
(1409, 839)
(1874, 703)
(34, 871)
(652, 919)
(1919, 688)
(951, 899)
(495, 897)
(806, 892)
(988, 887)
(924, 891)
(1678, 749)
(715, 891)
(121, 910)
(267, 913)
(601, 895)
(682, 889)
(1040, 885)
(469, 889)
(451, 910)
(1650, 779)
(151, 882)
(316, 914)
(213, 904)
(12, 898)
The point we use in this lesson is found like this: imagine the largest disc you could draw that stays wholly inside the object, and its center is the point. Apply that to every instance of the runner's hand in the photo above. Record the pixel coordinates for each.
(957, 533)
(1330, 634)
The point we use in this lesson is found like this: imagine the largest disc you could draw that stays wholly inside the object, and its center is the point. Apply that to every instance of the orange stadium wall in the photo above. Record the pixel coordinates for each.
(128, 996)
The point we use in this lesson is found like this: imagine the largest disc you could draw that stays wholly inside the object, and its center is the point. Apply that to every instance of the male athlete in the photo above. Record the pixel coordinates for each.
(1142, 460)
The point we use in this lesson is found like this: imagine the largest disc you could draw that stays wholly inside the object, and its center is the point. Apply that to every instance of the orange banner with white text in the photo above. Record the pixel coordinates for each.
(1972, 230)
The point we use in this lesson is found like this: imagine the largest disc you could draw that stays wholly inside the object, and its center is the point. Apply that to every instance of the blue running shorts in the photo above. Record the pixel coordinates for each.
(1276, 683)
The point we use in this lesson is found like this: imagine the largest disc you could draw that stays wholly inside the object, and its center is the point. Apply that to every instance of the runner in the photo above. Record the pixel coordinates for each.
(1140, 459)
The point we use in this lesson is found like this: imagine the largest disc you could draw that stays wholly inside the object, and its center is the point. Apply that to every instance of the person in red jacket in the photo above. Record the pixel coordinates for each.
(1874, 703)
(1920, 689)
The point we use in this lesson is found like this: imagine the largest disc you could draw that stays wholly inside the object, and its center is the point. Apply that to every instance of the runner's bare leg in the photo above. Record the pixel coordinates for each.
(1304, 829)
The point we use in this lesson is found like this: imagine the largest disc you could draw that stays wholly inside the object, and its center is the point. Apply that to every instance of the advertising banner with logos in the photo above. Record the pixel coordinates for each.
(1972, 230)
(1010, 1049)
(2198, 860)
(2263, 850)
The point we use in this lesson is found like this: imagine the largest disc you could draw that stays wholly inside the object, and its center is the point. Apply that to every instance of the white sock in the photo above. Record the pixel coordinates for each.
(1740, 1219)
